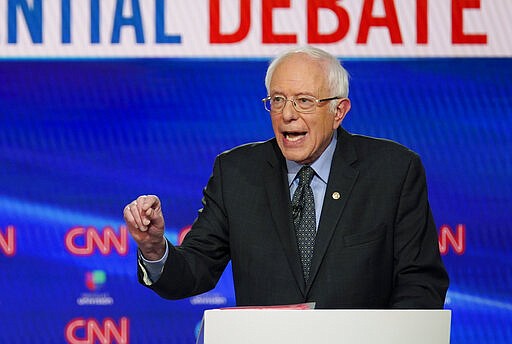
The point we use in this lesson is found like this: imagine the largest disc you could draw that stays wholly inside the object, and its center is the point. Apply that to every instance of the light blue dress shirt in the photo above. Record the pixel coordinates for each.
(322, 167)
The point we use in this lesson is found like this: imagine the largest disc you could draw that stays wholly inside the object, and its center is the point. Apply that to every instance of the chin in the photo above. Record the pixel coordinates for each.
(296, 155)
(297, 158)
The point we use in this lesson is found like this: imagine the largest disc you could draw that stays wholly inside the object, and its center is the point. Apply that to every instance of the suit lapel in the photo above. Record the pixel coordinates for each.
(276, 186)
(341, 181)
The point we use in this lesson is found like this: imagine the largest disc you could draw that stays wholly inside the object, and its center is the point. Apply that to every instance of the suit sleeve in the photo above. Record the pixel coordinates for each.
(196, 266)
(420, 279)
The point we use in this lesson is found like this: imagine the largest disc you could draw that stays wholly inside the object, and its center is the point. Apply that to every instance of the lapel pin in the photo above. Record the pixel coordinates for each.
(336, 195)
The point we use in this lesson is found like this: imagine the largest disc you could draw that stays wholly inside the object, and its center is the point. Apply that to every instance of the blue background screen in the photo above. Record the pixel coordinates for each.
(79, 139)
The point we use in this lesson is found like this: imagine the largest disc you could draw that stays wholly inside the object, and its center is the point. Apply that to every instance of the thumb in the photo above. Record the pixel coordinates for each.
(154, 218)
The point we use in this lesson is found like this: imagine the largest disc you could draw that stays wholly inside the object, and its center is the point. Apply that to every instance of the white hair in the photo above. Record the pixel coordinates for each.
(337, 76)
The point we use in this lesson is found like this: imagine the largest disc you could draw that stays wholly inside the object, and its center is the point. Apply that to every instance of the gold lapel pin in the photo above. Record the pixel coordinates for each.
(336, 195)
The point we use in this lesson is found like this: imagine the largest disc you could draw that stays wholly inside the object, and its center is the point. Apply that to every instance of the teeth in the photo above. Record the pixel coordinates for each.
(293, 136)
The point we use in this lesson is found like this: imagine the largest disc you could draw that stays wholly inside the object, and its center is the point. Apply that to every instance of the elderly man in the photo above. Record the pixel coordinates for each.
(315, 214)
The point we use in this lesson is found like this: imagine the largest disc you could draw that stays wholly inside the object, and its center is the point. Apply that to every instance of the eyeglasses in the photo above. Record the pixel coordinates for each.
(302, 103)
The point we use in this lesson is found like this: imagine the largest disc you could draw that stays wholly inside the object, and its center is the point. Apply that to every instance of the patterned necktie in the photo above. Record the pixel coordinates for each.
(304, 220)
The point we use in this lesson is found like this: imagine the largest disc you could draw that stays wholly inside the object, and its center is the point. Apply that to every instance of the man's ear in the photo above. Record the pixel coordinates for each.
(341, 111)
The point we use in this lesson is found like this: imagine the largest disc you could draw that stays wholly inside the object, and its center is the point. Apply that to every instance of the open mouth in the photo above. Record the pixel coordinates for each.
(294, 136)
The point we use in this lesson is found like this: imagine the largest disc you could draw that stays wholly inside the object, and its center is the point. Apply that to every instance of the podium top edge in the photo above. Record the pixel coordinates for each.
(260, 309)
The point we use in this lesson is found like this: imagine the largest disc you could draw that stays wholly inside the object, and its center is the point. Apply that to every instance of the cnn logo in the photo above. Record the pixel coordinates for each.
(83, 241)
(90, 331)
(8, 241)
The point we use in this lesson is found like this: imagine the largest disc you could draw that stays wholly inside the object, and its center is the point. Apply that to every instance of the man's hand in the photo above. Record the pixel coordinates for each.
(146, 225)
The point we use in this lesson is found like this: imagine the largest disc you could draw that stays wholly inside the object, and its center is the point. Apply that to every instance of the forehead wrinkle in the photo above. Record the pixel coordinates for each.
(293, 89)
(295, 81)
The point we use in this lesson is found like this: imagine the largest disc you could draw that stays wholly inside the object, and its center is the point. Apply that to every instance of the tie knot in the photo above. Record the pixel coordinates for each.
(306, 174)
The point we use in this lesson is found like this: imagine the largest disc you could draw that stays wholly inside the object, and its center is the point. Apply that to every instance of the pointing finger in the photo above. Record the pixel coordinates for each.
(148, 201)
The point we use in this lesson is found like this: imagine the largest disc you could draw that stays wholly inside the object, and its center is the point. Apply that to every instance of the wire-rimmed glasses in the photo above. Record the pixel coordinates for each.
(302, 103)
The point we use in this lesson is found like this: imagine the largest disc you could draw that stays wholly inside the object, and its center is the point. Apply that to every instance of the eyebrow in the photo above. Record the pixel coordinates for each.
(304, 93)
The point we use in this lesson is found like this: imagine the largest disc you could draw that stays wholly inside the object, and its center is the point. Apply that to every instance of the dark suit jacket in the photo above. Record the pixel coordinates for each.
(376, 246)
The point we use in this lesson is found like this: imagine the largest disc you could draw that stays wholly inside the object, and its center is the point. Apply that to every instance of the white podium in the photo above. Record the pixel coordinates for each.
(230, 326)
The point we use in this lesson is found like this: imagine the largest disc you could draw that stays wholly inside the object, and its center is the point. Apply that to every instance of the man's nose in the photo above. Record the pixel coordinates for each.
(289, 112)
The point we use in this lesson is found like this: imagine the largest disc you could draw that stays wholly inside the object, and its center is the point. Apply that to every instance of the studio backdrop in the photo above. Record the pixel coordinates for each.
(105, 100)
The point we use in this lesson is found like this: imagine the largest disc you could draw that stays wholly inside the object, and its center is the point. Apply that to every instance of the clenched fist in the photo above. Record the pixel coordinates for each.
(146, 225)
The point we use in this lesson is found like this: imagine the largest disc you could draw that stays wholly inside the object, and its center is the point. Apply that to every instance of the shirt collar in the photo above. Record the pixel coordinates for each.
(322, 165)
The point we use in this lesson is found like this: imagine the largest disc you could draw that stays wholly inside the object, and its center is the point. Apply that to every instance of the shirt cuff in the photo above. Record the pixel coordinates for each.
(152, 269)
